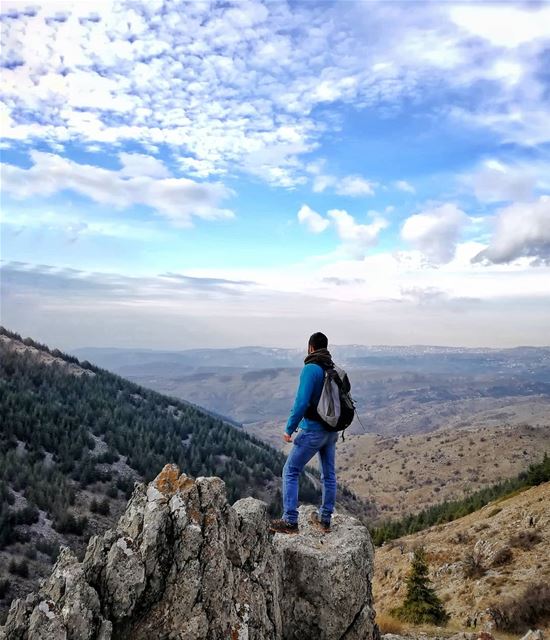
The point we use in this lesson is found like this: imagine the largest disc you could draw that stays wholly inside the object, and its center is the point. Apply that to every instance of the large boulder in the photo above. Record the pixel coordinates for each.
(327, 580)
(183, 564)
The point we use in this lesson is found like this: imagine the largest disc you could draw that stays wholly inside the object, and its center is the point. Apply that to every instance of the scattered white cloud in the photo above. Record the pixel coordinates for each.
(73, 227)
(435, 231)
(354, 186)
(138, 165)
(522, 124)
(405, 186)
(501, 25)
(223, 85)
(434, 297)
(356, 238)
(521, 230)
(177, 199)
(496, 181)
(323, 182)
(312, 220)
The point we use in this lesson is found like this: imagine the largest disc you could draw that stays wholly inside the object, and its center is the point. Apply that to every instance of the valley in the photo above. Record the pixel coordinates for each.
(75, 438)
(434, 416)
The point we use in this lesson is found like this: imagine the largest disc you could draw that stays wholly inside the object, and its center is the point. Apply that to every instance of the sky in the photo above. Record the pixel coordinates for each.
(206, 174)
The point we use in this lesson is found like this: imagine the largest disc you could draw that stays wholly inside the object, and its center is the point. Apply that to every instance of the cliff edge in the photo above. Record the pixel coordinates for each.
(183, 564)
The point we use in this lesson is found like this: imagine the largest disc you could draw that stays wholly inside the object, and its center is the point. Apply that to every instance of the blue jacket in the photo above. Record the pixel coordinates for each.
(309, 392)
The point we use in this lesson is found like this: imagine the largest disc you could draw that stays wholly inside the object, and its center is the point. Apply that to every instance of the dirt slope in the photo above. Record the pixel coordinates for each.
(509, 541)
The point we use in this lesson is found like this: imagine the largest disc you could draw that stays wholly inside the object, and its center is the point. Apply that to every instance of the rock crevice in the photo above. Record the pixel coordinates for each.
(184, 564)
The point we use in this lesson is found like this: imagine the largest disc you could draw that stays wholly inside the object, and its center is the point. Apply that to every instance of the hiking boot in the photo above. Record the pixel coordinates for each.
(323, 525)
(282, 526)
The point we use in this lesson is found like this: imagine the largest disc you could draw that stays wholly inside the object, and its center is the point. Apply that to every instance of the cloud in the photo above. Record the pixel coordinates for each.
(177, 199)
(224, 84)
(137, 165)
(312, 220)
(353, 185)
(403, 185)
(384, 299)
(497, 182)
(72, 227)
(343, 282)
(521, 230)
(435, 231)
(323, 182)
(44, 280)
(503, 26)
(433, 296)
(356, 238)
(203, 282)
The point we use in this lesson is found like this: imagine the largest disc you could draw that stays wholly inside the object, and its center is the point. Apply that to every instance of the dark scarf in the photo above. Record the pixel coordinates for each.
(321, 357)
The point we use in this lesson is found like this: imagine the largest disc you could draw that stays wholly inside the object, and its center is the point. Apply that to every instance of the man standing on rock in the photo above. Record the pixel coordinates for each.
(313, 439)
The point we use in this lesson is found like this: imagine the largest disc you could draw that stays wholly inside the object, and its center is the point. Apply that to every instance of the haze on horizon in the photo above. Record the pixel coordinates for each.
(192, 174)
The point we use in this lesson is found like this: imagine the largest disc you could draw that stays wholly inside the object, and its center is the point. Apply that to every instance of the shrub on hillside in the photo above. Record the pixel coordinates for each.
(530, 608)
(525, 539)
(69, 523)
(460, 537)
(472, 566)
(4, 587)
(101, 507)
(502, 556)
(48, 548)
(421, 604)
(19, 568)
(112, 491)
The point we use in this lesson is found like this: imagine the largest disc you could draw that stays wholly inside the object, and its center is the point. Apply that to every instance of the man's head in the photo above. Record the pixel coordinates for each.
(317, 341)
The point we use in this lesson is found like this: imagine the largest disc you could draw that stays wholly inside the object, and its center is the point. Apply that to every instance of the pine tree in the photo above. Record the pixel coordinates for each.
(421, 603)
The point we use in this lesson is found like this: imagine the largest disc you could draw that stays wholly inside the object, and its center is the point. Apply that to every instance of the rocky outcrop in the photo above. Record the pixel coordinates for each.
(184, 564)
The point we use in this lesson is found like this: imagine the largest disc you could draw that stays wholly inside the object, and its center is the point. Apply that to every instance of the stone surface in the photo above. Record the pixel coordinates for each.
(183, 564)
(327, 580)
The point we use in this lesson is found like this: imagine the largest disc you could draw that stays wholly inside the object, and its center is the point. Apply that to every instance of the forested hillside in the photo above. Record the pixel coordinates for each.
(73, 440)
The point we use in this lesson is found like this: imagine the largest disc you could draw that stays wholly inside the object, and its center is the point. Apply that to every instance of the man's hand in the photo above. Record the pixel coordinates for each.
(287, 438)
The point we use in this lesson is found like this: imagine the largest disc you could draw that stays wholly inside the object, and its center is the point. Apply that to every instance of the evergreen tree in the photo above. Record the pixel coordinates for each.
(421, 603)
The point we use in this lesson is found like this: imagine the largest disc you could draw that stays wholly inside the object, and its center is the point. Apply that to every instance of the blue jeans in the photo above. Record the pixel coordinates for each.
(306, 445)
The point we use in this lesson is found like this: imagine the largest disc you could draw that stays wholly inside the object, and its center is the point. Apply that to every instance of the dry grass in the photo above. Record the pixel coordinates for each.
(387, 624)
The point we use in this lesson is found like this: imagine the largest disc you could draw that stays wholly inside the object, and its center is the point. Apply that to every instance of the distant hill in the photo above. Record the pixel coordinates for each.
(491, 567)
(420, 358)
(74, 438)
(399, 390)
(409, 473)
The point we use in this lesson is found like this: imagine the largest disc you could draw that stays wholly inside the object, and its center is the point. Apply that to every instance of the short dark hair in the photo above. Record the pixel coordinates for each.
(318, 341)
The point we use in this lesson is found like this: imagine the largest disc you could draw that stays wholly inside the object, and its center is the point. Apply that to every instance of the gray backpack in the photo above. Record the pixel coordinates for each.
(335, 409)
